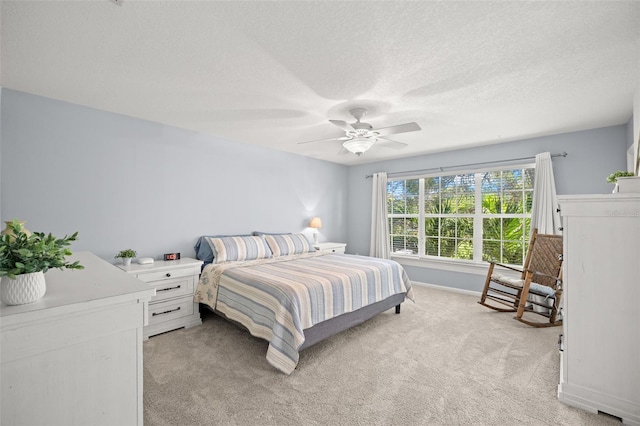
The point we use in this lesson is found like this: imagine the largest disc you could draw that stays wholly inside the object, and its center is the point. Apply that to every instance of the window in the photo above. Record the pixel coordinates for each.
(469, 216)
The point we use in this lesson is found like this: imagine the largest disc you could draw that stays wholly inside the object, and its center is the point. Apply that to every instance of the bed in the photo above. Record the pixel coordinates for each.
(282, 290)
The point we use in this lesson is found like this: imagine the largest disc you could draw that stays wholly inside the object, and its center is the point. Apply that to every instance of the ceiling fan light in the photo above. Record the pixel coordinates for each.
(358, 145)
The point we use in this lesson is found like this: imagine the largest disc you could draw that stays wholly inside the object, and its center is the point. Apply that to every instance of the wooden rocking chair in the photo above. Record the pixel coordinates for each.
(541, 275)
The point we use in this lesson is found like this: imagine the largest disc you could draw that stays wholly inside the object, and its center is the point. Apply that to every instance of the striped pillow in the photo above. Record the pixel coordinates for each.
(227, 249)
(286, 244)
(203, 249)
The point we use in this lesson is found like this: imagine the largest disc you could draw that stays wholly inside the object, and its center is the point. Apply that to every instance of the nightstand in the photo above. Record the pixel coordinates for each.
(175, 282)
(331, 247)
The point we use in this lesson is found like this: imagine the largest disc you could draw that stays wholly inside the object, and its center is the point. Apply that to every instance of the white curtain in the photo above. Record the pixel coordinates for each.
(544, 213)
(379, 246)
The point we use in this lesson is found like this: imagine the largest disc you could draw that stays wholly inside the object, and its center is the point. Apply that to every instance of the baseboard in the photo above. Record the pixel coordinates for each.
(593, 401)
(447, 288)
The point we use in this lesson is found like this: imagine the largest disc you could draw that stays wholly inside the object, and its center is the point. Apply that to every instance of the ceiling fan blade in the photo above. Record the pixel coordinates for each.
(400, 128)
(343, 125)
(388, 143)
(344, 138)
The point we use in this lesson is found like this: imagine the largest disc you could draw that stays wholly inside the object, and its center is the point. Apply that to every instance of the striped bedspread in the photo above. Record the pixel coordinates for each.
(277, 298)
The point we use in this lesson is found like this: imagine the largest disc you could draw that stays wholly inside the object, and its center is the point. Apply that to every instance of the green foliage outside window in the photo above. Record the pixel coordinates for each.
(449, 209)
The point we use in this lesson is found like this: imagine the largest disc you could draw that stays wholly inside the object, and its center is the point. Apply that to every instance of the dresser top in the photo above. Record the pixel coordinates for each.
(98, 284)
(618, 205)
(607, 198)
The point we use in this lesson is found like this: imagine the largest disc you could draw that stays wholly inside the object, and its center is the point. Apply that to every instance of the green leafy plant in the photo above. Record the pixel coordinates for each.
(21, 253)
(613, 177)
(128, 253)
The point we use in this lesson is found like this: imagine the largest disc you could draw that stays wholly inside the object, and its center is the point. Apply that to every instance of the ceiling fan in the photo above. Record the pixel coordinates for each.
(359, 136)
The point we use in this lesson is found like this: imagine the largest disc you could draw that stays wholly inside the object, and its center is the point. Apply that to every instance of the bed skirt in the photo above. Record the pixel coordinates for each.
(333, 326)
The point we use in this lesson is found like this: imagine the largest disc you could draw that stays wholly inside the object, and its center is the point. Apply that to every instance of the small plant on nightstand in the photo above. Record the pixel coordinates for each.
(126, 256)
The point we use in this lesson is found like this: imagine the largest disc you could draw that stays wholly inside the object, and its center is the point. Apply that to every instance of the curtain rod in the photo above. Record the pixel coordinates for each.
(409, 172)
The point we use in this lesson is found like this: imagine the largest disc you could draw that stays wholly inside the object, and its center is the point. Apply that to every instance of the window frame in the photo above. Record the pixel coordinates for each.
(476, 265)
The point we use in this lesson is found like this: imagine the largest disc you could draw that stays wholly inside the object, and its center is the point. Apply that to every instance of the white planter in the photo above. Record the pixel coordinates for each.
(25, 288)
(628, 184)
(126, 261)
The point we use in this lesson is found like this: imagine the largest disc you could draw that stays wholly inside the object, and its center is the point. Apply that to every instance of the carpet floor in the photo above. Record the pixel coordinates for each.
(445, 360)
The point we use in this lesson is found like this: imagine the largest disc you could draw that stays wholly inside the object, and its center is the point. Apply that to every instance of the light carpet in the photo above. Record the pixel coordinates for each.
(445, 360)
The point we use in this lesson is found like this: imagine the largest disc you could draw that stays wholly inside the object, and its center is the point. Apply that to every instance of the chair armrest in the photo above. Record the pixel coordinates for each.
(507, 267)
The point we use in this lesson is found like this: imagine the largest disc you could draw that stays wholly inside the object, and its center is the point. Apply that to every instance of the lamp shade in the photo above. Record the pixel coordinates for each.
(315, 223)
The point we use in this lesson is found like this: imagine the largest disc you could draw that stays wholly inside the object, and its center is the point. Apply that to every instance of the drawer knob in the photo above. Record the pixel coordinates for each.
(168, 274)
(561, 343)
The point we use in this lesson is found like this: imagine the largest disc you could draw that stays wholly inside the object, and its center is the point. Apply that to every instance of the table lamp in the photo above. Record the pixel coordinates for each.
(315, 223)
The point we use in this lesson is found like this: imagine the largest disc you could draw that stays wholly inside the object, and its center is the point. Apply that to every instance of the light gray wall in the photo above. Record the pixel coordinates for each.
(592, 156)
(128, 183)
(1, 153)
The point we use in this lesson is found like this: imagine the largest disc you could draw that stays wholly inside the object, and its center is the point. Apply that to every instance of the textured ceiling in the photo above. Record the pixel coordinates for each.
(273, 73)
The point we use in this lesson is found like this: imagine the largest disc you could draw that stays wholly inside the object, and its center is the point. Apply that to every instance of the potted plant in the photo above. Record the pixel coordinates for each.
(126, 256)
(25, 257)
(613, 178)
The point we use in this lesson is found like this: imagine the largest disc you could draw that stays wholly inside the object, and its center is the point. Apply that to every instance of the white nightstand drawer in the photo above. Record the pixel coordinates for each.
(335, 250)
(171, 309)
(165, 275)
(168, 289)
(331, 247)
(175, 281)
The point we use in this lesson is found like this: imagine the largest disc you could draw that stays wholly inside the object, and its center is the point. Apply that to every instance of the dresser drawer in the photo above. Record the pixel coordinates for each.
(149, 277)
(170, 310)
(168, 289)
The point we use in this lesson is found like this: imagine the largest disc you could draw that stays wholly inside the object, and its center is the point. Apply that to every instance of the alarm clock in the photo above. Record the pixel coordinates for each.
(171, 256)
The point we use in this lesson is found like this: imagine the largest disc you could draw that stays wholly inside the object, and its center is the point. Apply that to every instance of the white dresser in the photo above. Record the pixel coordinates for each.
(600, 358)
(175, 282)
(75, 356)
